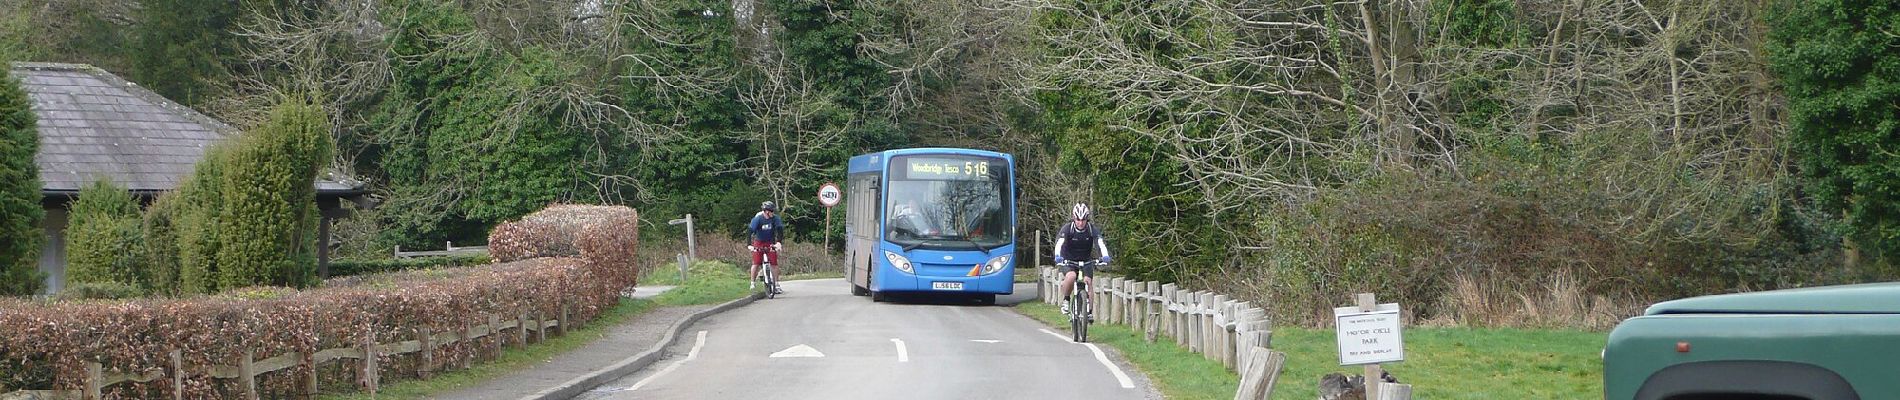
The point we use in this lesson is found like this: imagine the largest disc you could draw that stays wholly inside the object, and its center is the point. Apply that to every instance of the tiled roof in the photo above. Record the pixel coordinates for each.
(93, 124)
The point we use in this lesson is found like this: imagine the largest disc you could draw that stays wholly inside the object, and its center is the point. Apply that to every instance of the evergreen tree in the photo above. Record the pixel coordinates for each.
(20, 232)
(267, 224)
(102, 239)
(1840, 63)
(183, 47)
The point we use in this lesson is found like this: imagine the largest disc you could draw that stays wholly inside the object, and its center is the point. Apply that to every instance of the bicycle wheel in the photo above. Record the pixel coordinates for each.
(771, 284)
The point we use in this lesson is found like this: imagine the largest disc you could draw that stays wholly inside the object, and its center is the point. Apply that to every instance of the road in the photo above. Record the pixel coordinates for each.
(819, 342)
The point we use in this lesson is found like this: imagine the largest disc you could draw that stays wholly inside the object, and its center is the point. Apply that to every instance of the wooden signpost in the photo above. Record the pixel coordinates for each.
(1369, 334)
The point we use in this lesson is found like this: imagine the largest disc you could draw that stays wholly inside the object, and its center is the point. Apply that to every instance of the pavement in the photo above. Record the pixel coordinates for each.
(640, 333)
(819, 342)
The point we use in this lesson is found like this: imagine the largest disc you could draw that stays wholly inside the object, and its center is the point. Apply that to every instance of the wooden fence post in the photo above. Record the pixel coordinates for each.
(95, 382)
(1150, 316)
(564, 326)
(1166, 306)
(494, 337)
(178, 374)
(540, 327)
(310, 375)
(1393, 391)
(1210, 331)
(247, 374)
(521, 330)
(427, 338)
(1258, 373)
(369, 362)
(1194, 320)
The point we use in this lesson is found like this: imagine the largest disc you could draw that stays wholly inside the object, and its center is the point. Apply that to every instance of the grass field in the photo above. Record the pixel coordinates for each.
(709, 283)
(1441, 363)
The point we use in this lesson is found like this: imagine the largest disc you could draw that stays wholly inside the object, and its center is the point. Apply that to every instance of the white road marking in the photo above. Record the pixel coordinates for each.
(798, 351)
(1099, 356)
(903, 353)
(986, 340)
(690, 355)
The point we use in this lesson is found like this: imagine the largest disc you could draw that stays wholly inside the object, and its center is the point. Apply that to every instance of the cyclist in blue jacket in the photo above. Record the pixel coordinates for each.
(766, 230)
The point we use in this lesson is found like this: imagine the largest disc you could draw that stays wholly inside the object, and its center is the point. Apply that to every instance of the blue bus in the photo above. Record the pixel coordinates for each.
(931, 220)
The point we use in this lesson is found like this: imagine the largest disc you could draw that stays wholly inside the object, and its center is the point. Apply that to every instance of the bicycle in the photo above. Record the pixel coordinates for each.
(1081, 309)
(766, 275)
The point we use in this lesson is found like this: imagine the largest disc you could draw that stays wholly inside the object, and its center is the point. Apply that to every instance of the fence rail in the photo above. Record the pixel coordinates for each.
(448, 249)
(98, 378)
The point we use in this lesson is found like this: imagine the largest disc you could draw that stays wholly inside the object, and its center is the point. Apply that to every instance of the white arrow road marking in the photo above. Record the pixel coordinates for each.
(690, 355)
(1099, 356)
(986, 340)
(798, 351)
(903, 353)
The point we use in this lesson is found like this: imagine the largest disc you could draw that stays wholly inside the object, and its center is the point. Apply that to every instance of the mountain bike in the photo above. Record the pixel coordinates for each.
(1081, 310)
(766, 275)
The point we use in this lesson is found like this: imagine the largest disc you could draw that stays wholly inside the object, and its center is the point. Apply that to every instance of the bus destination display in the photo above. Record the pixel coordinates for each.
(946, 169)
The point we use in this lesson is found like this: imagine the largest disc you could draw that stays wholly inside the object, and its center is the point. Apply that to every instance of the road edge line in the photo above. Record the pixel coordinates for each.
(576, 386)
(1120, 377)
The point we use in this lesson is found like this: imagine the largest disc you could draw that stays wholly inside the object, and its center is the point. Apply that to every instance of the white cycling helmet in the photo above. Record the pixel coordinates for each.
(1081, 211)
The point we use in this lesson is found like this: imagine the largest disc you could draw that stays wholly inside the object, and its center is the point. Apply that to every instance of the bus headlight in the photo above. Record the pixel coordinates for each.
(902, 264)
(995, 264)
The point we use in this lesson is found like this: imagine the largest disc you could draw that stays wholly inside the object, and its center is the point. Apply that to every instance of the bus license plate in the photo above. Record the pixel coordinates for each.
(946, 285)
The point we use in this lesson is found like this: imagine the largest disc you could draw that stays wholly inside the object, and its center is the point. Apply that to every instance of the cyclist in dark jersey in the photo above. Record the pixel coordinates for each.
(1078, 242)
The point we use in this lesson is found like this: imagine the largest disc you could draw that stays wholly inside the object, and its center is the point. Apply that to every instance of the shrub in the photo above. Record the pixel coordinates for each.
(103, 242)
(197, 222)
(342, 268)
(159, 257)
(606, 236)
(100, 291)
(20, 212)
(267, 223)
(48, 344)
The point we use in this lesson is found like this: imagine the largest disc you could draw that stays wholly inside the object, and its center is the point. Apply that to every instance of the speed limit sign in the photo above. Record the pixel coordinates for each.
(829, 195)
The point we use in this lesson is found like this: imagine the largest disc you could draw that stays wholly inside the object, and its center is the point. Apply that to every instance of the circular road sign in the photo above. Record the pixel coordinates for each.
(829, 195)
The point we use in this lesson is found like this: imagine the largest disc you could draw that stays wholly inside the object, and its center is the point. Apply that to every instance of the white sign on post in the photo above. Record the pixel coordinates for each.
(829, 195)
(1369, 337)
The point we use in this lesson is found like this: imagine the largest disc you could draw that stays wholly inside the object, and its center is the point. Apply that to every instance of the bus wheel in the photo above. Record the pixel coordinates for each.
(859, 291)
(878, 297)
(986, 299)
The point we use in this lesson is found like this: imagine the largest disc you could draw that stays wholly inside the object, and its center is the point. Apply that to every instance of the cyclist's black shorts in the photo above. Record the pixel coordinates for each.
(1086, 266)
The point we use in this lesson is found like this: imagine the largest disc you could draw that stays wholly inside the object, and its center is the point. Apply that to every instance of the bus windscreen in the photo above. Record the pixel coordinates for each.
(948, 202)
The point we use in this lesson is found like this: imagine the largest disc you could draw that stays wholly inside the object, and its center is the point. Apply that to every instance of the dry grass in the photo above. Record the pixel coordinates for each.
(1559, 301)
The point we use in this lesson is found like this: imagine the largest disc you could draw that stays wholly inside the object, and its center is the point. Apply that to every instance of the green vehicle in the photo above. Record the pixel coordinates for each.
(1836, 342)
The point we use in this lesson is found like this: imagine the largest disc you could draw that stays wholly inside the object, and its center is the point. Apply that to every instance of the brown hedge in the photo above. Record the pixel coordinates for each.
(45, 345)
(605, 236)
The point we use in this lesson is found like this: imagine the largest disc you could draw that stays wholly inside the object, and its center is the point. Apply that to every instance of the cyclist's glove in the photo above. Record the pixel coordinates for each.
(751, 249)
(1104, 259)
(1059, 259)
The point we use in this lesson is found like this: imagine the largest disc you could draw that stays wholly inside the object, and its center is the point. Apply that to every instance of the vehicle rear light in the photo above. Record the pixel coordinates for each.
(1682, 347)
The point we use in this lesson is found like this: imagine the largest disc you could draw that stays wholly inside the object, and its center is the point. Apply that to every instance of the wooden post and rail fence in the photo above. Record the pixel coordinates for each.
(1235, 333)
(363, 358)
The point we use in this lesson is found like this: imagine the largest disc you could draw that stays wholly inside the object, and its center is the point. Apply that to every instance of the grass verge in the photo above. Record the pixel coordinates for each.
(1176, 372)
(709, 283)
(1441, 363)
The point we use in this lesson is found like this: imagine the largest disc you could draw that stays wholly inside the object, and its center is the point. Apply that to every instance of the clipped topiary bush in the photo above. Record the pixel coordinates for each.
(103, 243)
(606, 236)
(267, 223)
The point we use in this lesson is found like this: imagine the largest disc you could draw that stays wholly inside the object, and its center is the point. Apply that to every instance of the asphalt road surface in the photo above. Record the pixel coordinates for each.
(819, 342)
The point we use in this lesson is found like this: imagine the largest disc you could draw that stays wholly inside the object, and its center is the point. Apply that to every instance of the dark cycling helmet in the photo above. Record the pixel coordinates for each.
(768, 206)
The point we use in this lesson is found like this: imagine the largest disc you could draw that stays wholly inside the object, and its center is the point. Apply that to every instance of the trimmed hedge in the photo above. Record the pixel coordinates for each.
(342, 268)
(46, 345)
(606, 236)
(104, 241)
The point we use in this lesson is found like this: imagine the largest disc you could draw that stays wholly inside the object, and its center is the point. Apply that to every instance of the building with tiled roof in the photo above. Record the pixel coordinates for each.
(94, 125)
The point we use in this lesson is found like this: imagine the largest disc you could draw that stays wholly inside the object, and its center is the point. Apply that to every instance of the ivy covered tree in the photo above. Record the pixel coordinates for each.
(183, 46)
(267, 222)
(103, 240)
(20, 212)
(1839, 61)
